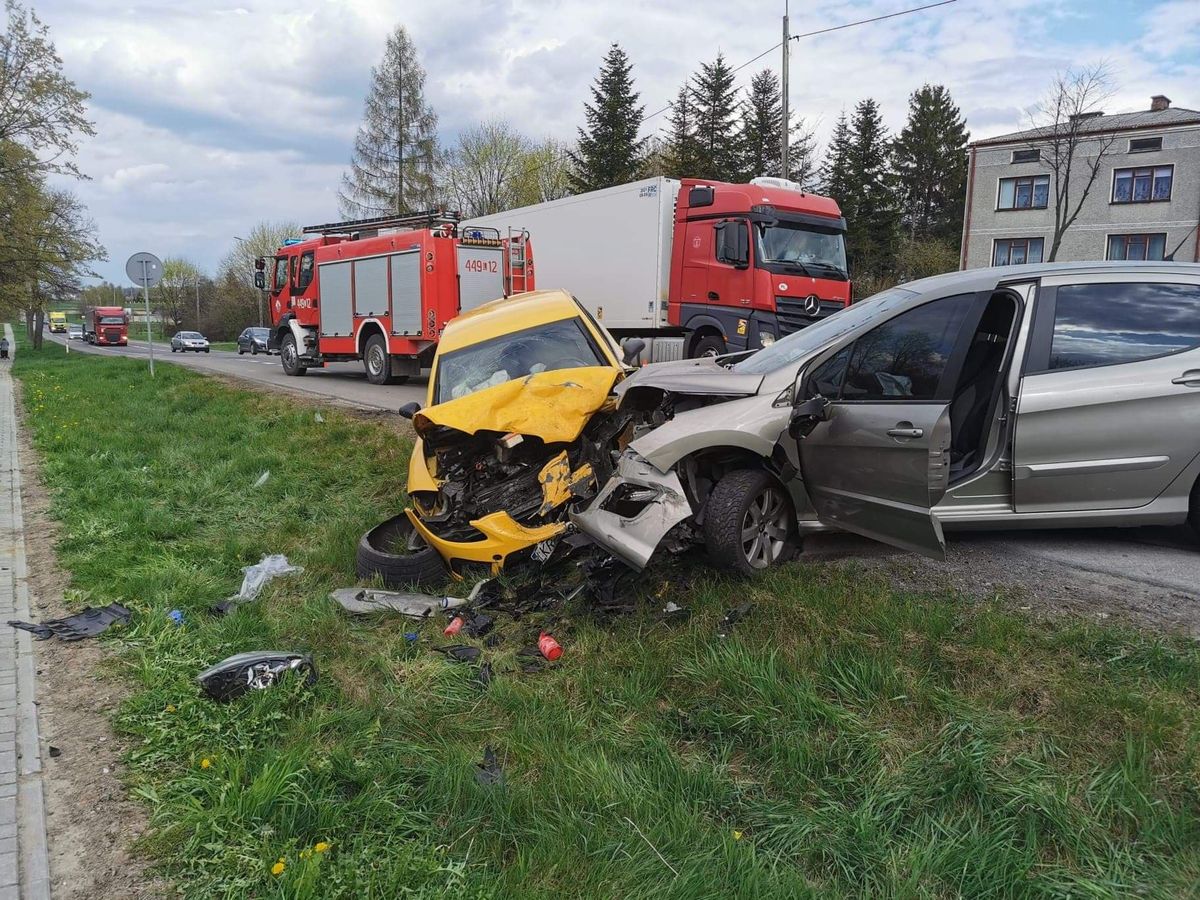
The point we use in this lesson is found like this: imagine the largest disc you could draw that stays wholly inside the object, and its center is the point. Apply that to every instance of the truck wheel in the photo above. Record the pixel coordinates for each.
(378, 362)
(289, 356)
(709, 345)
(395, 552)
(749, 524)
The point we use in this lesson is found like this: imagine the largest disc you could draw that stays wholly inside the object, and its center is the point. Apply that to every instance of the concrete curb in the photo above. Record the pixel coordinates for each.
(24, 859)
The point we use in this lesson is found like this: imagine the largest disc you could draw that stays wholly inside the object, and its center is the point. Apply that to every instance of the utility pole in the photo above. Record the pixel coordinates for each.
(787, 41)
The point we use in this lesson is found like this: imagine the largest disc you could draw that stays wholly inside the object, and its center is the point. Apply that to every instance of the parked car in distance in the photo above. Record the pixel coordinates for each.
(253, 341)
(74, 332)
(1058, 395)
(183, 341)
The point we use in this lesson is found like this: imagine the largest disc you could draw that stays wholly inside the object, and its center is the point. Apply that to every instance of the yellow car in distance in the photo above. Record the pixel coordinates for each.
(58, 322)
(519, 421)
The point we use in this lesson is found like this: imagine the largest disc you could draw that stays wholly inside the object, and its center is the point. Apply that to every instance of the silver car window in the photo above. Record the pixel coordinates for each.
(787, 351)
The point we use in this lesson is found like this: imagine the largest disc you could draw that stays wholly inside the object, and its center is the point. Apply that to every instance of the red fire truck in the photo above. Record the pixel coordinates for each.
(106, 326)
(381, 290)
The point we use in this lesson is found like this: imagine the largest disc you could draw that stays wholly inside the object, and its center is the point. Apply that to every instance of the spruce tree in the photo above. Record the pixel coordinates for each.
(717, 107)
(681, 150)
(762, 134)
(870, 204)
(835, 171)
(395, 156)
(609, 151)
(931, 166)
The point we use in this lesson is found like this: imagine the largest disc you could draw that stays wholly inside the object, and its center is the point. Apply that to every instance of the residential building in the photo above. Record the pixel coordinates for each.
(1144, 203)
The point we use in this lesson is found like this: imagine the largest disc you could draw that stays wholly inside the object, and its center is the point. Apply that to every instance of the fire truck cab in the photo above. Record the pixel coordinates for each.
(381, 290)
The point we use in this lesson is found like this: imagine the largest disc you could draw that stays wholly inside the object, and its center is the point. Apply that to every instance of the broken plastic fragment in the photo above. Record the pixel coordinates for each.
(87, 623)
(732, 617)
(318, 418)
(362, 601)
(673, 612)
(484, 676)
(254, 671)
(255, 578)
(460, 652)
(262, 479)
(176, 616)
(489, 772)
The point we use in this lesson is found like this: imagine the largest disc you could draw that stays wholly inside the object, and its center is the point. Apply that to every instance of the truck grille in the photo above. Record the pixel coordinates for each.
(112, 336)
(792, 317)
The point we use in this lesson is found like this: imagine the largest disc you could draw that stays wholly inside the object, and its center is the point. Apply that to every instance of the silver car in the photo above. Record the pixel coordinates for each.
(183, 341)
(1042, 396)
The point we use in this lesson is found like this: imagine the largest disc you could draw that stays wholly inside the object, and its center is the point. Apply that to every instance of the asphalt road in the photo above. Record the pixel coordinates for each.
(342, 382)
(1150, 576)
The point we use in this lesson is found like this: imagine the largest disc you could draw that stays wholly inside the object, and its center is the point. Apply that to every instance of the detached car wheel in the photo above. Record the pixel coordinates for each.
(395, 552)
(749, 525)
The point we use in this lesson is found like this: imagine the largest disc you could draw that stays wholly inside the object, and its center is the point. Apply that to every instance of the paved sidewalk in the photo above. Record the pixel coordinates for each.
(24, 866)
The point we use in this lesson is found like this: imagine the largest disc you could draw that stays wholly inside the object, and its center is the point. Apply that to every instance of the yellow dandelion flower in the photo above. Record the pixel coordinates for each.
(321, 846)
(170, 707)
(737, 835)
(305, 854)
(205, 763)
(278, 868)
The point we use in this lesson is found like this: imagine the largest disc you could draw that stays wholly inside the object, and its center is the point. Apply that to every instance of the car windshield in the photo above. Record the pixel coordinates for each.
(818, 251)
(191, 335)
(558, 345)
(259, 332)
(786, 351)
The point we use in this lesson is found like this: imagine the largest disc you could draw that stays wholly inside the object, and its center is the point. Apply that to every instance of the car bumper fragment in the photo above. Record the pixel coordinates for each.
(502, 535)
(634, 510)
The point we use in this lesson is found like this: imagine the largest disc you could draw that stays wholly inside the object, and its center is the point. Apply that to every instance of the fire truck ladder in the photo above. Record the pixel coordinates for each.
(431, 218)
(518, 260)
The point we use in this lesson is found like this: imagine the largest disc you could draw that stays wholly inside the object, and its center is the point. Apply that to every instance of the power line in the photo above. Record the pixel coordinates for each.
(795, 37)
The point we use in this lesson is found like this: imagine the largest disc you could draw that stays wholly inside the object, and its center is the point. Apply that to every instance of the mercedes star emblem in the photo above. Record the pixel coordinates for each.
(812, 305)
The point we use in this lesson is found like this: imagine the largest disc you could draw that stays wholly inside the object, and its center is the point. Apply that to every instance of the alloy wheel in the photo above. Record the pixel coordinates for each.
(765, 528)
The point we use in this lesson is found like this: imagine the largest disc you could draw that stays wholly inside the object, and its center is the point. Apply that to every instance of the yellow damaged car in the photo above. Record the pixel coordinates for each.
(520, 421)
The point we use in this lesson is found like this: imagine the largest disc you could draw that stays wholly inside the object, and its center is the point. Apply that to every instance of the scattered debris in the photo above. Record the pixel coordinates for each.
(479, 624)
(532, 660)
(176, 616)
(254, 579)
(454, 627)
(673, 612)
(88, 623)
(484, 676)
(732, 617)
(318, 418)
(460, 652)
(548, 647)
(262, 479)
(55, 752)
(494, 640)
(362, 601)
(489, 772)
(254, 671)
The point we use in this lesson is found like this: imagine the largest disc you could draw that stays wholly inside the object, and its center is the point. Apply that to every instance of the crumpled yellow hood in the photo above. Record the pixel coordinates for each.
(554, 406)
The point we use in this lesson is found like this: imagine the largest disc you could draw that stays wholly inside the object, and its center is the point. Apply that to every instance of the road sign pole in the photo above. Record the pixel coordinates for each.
(149, 334)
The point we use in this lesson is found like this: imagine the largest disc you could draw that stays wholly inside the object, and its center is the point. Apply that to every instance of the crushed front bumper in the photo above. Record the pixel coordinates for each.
(502, 536)
(634, 511)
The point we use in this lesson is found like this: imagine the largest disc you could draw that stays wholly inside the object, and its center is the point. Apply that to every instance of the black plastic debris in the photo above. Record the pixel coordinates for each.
(488, 772)
(479, 624)
(732, 617)
(88, 623)
(55, 752)
(254, 671)
(531, 660)
(493, 640)
(460, 652)
(484, 676)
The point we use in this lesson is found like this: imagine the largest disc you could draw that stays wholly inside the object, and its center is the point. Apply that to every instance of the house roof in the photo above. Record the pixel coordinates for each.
(1161, 118)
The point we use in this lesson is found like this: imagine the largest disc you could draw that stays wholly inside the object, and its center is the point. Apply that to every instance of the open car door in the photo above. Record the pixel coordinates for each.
(878, 470)
(875, 456)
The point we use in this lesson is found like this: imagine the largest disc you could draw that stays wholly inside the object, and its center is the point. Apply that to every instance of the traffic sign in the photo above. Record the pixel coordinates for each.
(144, 269)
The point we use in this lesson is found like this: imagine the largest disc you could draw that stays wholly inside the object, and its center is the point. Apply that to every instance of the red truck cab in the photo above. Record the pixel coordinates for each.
(106, 326)
(754, 262)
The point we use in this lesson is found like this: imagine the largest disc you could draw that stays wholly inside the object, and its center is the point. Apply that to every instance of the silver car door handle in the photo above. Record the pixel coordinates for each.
(1190, 378)
(906, 432)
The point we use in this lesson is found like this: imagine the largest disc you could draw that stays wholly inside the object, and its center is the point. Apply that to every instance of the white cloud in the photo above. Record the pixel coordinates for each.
(212, 116)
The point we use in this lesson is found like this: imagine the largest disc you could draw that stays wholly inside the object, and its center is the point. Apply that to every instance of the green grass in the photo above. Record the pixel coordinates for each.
(844, 740)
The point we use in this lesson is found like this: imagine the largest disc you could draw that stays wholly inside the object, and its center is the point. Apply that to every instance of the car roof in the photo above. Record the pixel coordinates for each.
(986, 278)
(505, 316)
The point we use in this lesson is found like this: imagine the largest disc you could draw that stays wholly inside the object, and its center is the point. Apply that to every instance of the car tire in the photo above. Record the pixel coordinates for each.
(1194, 508)
(254, 349)
(417, 564)
(709, 345)
(240, 351)
(289, 356)
(743, 500)
(172, 349)
(377, 361)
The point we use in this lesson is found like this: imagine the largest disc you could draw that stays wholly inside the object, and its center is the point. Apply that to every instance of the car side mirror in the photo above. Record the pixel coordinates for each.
(260, 281)
(631, 350)
(808, 415)
(408, 410)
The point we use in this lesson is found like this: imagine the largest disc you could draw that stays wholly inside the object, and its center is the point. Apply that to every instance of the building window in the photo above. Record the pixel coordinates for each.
(1146, 185)
(1145, 145)
(1017, 251)
(1136, 246)
(1024, 156)
(1031, 192)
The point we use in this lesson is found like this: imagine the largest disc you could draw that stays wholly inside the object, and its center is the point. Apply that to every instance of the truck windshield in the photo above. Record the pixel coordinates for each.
(543, 348)
(112, 320)
(793, 247)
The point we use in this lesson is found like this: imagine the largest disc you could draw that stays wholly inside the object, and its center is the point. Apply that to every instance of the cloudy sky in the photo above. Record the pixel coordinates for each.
(211, 116)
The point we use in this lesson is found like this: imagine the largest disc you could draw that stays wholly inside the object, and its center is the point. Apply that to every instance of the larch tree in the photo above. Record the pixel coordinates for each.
(609, 151)
(393, 169)
(930, 163)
